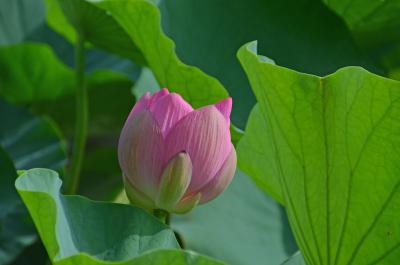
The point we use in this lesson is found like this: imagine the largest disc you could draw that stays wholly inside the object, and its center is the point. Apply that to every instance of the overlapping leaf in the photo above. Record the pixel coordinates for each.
(71, 16)
(141, 20)
(78, 231)
(333, 143)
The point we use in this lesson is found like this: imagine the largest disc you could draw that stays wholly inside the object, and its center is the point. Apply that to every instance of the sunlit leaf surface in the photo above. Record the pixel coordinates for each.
(78, 231)
(333, 145)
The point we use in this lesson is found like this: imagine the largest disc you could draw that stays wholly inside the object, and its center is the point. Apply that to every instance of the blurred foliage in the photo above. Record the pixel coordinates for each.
(300, 34)
(31, 72)
(16, 231)
(68, 16)
(30, 142)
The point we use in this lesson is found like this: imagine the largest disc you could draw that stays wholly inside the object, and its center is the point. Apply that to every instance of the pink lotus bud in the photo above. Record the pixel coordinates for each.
(174, 157)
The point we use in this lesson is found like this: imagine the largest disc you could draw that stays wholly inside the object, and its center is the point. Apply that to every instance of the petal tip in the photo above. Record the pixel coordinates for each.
(225, 107)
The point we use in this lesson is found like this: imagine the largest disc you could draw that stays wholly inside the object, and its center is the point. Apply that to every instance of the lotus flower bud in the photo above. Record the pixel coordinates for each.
(174, 157)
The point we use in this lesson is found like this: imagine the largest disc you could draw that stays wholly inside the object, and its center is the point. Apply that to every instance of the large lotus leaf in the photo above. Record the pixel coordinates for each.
(141, 20)
(242, 226)
(300, 34)
(253, 149)
(334, 145)
(78, 231)
(19, 18)
(70, 16)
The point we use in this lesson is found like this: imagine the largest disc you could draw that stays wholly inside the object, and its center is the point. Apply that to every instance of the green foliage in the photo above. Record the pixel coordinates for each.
(16, 231)
(77, 231)
(375, 22)
(30, 72)
(332, 144)
(69, 16)
(253, 151)
(300, 34)
(325, 148)
(102, 85)
(31, 142)
(19, 19)
(141, 20)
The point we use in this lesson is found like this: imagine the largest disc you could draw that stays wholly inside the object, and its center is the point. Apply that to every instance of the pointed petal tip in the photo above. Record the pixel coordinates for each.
(157, 95)
(162, 92)
(168, 110)
(165, 90)
(225, 107)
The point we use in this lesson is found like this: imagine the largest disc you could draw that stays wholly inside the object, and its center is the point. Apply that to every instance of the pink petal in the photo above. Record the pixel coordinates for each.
(159, 94)
(140, 152)
(204, 135)
(168, 110)
(225, 107)
(141, 104)
(221, 180)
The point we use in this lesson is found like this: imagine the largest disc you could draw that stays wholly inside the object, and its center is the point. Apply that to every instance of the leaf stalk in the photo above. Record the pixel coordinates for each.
(82, 114)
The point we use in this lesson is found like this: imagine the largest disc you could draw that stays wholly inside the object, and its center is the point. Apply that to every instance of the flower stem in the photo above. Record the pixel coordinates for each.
(162, 215)
(81, 126)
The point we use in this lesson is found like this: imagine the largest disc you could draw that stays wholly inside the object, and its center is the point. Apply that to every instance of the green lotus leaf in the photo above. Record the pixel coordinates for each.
(77, 231)
(68, 17)
(332, 145)
(141, 20)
